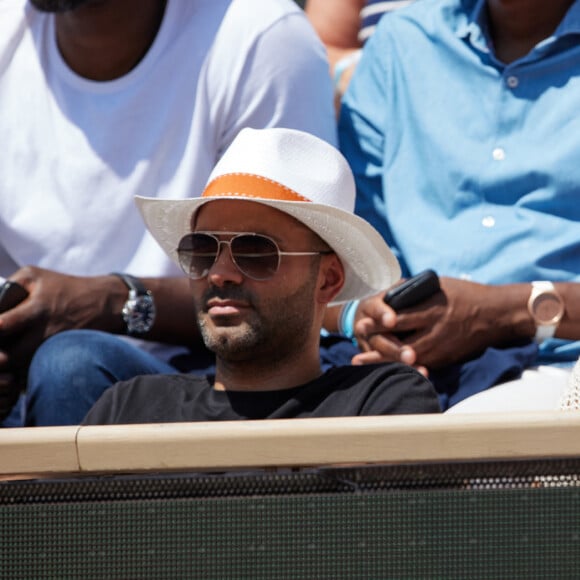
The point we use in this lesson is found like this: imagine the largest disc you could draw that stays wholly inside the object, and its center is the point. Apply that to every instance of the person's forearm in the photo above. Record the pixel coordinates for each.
(507, 305)
(175, 320)
(569, 327)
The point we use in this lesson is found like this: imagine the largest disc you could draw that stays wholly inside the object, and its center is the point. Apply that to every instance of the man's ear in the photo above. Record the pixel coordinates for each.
(330, 278)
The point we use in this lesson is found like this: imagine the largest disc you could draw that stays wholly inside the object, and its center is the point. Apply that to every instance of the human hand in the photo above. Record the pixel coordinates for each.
(56, 302)
(456, 323)
(374, 329)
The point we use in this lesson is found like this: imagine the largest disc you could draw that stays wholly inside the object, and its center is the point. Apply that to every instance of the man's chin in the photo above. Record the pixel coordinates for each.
(230, 342)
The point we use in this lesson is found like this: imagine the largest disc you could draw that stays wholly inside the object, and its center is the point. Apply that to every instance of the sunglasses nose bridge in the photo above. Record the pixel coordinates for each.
(227, 263)
(218, 252)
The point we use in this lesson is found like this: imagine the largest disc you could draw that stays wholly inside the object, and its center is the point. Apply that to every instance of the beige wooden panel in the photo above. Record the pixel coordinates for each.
(297, 442)
(319, 442)
(38, 450)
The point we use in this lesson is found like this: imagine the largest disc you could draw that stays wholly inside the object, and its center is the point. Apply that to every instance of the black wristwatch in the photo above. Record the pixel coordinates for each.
(139, 310)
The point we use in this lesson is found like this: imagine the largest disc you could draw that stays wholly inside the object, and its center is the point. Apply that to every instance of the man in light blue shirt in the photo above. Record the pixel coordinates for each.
(462, 127)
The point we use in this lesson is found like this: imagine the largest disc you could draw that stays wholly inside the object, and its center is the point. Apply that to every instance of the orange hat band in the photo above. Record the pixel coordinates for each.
(250, 185)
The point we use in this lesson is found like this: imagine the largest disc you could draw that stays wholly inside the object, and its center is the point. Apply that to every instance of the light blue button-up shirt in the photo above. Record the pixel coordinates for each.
(465, 164)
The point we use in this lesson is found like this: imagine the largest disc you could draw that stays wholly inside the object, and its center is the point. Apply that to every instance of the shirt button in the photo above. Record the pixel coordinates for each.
(488, 221)
(513, 82)
(498, 154)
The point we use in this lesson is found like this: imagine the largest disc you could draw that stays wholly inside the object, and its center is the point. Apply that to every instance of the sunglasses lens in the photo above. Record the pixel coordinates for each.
(256, 256)
(197, 254)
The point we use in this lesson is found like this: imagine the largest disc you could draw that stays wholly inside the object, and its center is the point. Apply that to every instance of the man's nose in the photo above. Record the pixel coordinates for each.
(224, 269)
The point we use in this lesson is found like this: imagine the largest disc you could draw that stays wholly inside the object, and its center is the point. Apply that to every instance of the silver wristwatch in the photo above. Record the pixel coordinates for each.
(139, 310)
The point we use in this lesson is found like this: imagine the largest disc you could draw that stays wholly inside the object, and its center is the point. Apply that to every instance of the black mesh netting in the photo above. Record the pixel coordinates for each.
(478, 520)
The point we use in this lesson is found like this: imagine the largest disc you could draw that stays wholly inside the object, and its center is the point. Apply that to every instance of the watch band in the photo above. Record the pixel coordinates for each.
(546, 320)
(543, 332)
(133, 284)
(139, 310)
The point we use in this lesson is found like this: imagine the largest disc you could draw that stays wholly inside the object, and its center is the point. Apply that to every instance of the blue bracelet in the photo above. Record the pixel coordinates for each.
(344, 63)
(346, 318)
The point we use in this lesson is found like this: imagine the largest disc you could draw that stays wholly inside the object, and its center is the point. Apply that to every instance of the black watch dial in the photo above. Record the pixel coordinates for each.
(139, 314)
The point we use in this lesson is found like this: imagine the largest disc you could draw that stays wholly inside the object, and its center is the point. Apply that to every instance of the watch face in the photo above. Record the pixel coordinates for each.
(547, 308)
(139, 314)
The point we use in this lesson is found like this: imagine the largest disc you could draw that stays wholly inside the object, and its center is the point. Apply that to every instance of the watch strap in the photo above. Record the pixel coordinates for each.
(543, 331)
(134, 285)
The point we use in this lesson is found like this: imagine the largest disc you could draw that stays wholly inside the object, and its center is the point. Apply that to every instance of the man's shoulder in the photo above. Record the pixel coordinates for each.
(246, 22)
(263, 10)
(256, 15)
(13, 20)
(158, 387)
(8, 8)
(386, 388)
(375, 372)
(147, 399)
(376, 377)
(228, 21)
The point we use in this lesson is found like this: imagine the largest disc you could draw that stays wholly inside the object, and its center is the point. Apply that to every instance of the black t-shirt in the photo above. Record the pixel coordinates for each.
(340, 392)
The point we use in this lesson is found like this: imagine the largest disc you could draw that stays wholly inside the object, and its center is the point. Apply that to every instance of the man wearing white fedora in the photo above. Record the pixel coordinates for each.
(267, 247)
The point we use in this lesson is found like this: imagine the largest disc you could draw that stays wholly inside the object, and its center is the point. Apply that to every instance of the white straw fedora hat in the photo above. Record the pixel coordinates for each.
(300, 175)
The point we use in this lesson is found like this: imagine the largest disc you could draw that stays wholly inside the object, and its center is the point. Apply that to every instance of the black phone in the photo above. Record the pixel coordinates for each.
(413, 290)
(11, 294)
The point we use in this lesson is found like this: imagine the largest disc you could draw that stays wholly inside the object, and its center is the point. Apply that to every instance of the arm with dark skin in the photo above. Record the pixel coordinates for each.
(454, 325)
(100, 40)
(60, 302)
(465, 318)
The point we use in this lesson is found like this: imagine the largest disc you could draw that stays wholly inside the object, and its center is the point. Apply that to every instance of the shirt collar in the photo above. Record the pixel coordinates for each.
(571, 22)
(473, 23)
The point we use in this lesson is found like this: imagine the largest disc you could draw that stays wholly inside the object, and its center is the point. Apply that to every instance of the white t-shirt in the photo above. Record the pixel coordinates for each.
(74, 152)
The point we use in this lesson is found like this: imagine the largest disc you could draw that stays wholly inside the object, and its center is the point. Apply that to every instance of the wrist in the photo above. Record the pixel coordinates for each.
(138, 311)
(507, 313)
(546, 307)
(346, 318)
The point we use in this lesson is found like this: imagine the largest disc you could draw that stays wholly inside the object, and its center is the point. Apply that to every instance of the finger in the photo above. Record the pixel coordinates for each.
(367, 358)
(388, 348)
(362, 344)
(416, 321)
(375, 307)
(388, 345)
(423, 370)
(367, 325)
(379, 348)
(408, 355)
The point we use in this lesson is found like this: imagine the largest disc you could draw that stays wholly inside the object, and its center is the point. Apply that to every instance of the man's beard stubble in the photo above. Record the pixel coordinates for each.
(271, 332)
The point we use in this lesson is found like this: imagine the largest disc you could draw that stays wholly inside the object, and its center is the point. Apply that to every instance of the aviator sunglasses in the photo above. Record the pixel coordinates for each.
(256, 256)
